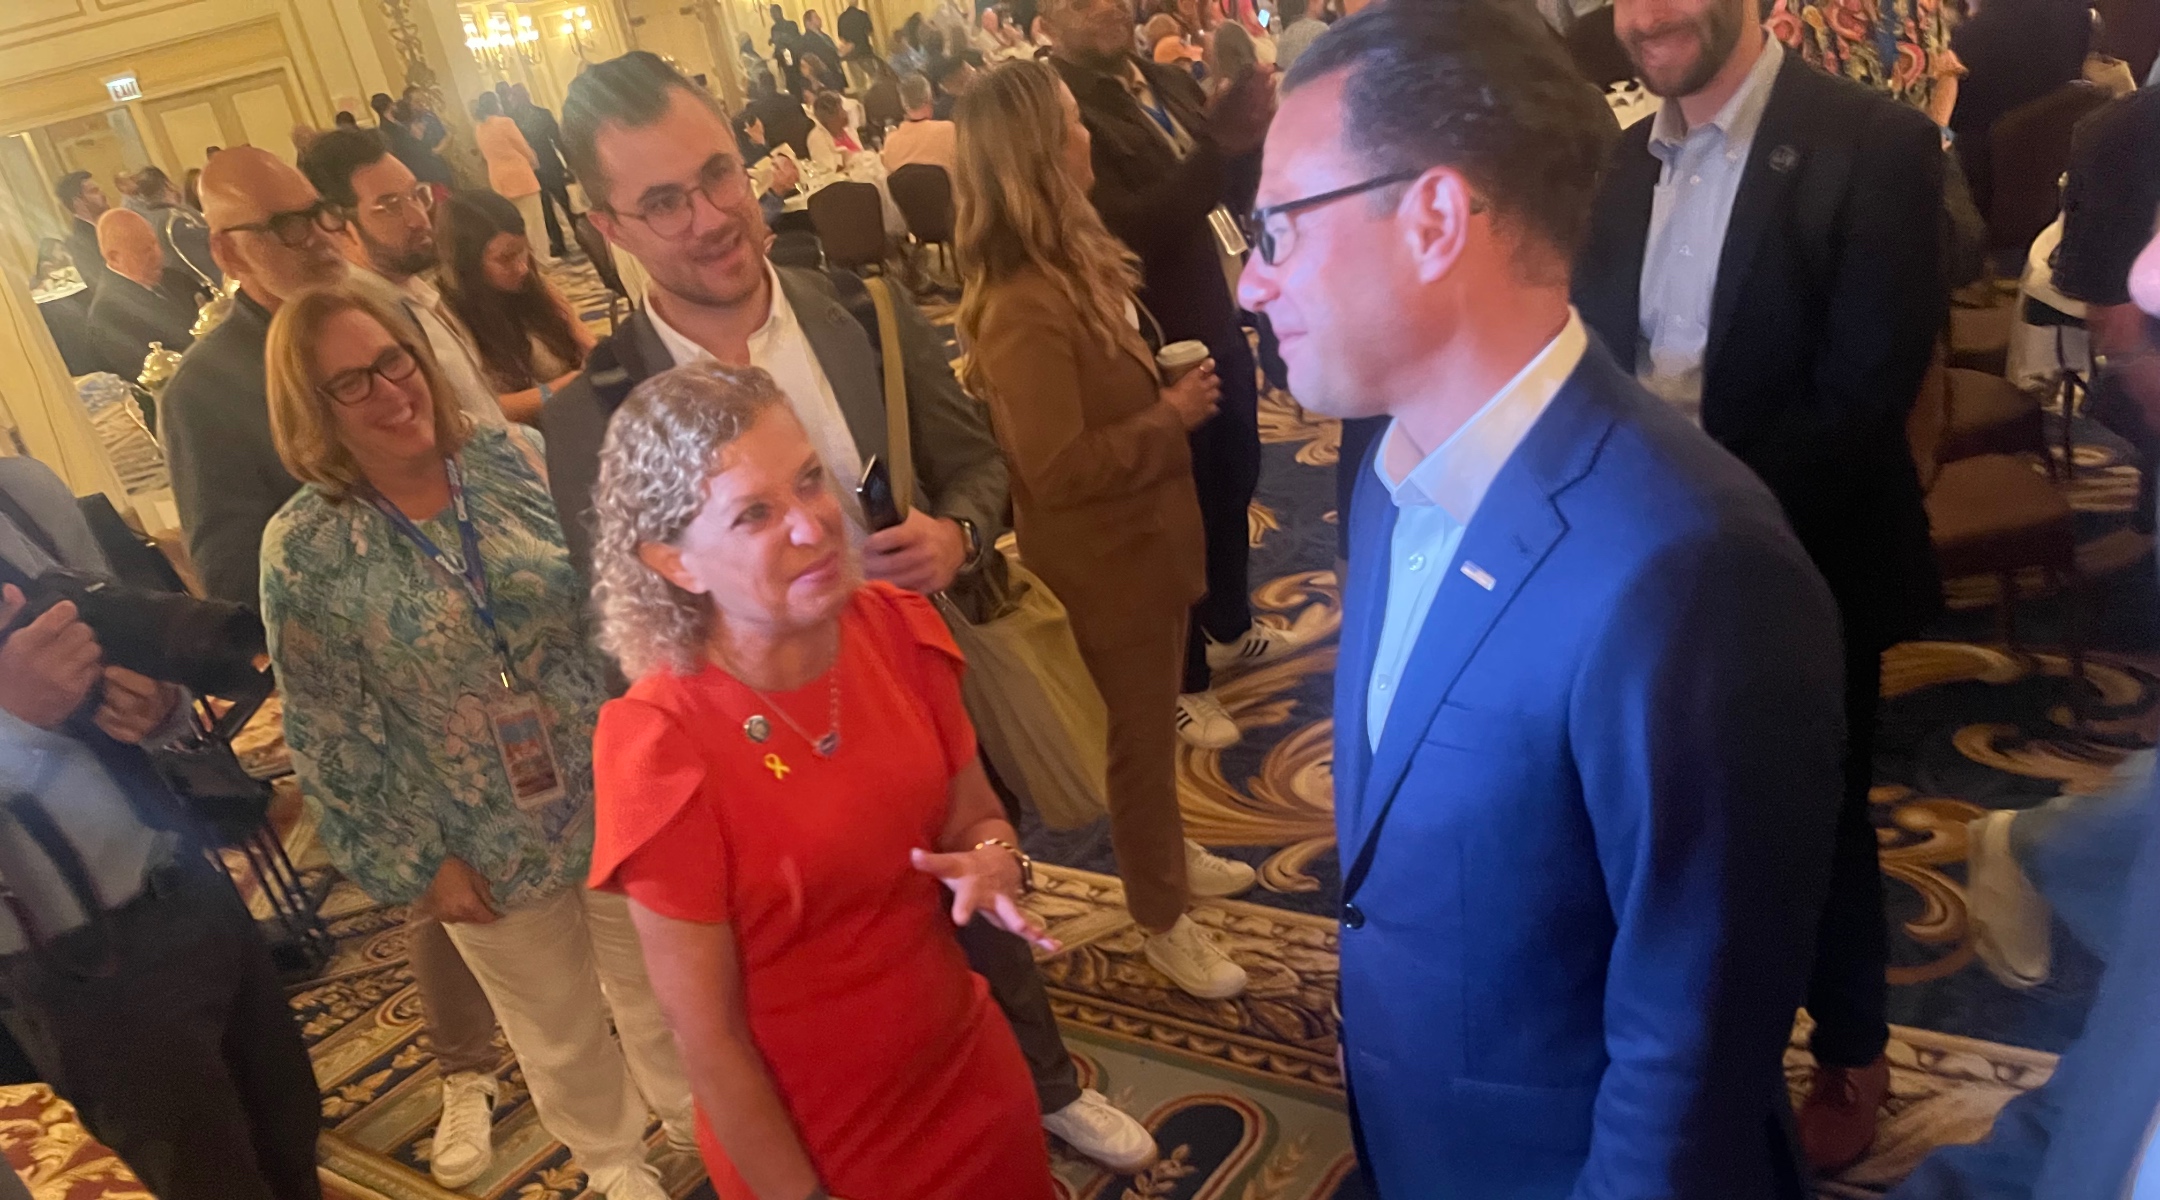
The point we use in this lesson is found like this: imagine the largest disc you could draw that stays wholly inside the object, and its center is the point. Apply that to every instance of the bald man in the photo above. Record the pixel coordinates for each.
(271, 231)
(144, 301)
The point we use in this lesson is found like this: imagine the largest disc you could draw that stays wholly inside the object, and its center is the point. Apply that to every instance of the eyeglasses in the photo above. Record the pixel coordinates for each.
(1273, 233)
(397, 206)
(670, 211)
(350, 387)
(292, 229)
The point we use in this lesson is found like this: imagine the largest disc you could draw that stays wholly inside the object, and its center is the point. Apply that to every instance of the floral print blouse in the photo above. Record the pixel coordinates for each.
(384, 667)
(1897, 46)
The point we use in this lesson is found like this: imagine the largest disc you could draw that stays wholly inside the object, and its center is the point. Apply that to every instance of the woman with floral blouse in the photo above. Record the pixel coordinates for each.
(440, 699)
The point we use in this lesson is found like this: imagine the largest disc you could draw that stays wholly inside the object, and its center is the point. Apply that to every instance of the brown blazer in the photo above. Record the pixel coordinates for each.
(1102, 484)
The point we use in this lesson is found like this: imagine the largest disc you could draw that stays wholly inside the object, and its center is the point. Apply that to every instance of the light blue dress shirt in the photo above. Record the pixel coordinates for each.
(1689, 213)
(1435, 499)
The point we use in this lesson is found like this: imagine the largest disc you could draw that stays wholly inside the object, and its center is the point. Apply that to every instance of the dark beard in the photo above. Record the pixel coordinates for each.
(391, 261)
(1717, 32)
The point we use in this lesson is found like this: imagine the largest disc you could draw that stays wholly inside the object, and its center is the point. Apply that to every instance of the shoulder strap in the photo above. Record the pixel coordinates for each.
(899, 445)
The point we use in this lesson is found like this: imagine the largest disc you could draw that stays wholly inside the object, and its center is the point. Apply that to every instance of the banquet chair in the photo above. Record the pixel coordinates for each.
(923, 192)
(2029, 150)
(1997, 515)
(602, 257)
(850, 221)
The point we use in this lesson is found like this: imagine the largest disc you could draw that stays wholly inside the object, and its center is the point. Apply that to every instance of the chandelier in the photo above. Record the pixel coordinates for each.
(492, 45)
(577, 26)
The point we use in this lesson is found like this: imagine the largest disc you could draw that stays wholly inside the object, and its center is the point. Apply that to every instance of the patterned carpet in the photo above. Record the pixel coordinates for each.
(1244, 1095)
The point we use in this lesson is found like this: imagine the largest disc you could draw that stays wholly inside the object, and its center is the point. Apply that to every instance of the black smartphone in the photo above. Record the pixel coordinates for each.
(880, 511)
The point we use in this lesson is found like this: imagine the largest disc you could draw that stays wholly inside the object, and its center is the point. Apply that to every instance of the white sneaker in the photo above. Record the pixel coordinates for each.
(1103, 1132)
(1261, 643)
(1213, 875)
(1203, 722)
(465, 1135)
(638, 1182)
(2009, 917)
(1194, 962)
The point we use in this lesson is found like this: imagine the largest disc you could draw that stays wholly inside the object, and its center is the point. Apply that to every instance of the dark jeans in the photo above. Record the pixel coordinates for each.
(555, 191)
(1226, 469)
(1848, 990)
(1008, 966)
(184, 1059)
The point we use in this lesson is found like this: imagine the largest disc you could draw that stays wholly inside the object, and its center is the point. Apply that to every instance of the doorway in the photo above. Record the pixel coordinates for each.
(255, 110)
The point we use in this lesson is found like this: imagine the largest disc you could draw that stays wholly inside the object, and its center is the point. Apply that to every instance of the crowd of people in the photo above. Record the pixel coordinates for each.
(602, 658)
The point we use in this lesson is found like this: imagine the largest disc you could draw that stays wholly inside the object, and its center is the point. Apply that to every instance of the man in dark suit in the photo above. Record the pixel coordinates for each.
(84, 201)
(1587, 718)
(1766, 256)
(660, 164)
(144, 301)
(1164, 160)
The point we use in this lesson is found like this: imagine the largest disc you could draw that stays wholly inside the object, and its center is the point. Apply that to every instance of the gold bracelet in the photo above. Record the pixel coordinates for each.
(1027, 865)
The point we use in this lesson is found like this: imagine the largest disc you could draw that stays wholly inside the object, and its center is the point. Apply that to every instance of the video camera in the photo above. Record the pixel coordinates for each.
(206, 646)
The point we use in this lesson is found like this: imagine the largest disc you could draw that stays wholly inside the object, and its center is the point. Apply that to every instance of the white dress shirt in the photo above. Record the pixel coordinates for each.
(782, 350)
(1436, 497)
(1689, 213)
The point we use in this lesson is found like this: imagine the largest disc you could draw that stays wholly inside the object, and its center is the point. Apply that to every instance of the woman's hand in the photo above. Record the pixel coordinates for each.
(460, 895)
(985, 881)
(1194, 395)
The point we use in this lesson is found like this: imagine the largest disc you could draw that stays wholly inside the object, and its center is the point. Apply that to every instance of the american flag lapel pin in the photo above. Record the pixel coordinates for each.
(1477, 575)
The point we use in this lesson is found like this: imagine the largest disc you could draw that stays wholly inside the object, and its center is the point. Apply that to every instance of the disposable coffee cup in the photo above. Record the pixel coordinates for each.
(1178, 358)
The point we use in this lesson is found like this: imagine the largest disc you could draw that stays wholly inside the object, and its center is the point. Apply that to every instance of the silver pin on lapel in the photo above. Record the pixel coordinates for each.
(1478, 575)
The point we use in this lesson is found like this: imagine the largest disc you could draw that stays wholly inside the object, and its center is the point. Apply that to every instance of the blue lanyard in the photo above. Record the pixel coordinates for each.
(472, 573)
(1161, 115)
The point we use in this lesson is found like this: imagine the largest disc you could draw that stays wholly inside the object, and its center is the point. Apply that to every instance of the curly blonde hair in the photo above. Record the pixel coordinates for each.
(661, 447)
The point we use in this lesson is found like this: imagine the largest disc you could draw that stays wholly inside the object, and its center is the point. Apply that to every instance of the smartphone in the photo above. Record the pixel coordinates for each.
(880, 511)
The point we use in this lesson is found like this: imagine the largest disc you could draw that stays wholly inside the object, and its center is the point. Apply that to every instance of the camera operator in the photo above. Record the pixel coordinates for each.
(133, 975)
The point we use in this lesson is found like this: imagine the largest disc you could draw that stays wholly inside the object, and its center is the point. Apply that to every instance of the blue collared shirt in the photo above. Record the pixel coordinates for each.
(1435, 499)
(1689, 212)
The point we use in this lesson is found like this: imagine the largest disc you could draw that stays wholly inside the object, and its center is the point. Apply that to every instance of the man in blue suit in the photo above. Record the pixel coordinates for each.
(1588, 713)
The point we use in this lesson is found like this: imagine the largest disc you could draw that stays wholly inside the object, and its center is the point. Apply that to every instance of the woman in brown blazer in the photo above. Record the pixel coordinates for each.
(1102, 482)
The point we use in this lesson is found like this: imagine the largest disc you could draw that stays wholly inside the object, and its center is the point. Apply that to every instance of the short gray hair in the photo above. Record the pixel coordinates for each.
(661, 448)
(915, 91)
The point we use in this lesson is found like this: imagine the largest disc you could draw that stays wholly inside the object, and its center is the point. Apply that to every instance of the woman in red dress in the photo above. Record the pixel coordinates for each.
(781, 794)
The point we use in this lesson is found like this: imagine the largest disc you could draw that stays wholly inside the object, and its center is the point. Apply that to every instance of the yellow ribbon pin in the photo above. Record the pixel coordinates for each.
(779, 769)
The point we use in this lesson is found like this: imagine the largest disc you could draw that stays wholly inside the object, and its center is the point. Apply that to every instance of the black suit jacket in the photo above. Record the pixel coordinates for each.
(1828, 303)
(126, 317)
(1157, 204)
(82, 246)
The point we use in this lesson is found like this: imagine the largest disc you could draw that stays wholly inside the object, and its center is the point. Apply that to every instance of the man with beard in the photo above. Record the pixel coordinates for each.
(666, 179)
(273, 233)
(390, 214)
(1766, 256)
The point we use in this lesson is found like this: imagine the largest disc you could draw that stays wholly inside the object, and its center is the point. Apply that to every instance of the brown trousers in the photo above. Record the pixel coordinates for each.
(1137, 657)
(460, 1021)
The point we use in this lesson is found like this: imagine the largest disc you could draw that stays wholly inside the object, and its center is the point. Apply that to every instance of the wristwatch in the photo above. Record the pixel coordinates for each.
(972, 537)
(1027, 865)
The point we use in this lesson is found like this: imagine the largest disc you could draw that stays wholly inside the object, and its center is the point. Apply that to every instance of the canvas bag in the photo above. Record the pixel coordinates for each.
(1037, 714)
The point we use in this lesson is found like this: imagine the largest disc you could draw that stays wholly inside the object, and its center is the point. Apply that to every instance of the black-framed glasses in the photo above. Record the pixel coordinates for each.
(670, 211)
(293, 228)
(1272, 231)
(351, 386)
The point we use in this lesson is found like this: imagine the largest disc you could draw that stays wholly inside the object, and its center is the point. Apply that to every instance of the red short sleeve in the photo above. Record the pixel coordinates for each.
(655, 837)
(928, 660)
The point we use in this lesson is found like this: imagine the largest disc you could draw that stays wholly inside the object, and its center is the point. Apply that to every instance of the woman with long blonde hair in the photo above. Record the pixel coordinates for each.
(1102, 484)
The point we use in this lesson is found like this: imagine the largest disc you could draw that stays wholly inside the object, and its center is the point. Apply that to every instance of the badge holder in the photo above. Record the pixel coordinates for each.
(519, 721)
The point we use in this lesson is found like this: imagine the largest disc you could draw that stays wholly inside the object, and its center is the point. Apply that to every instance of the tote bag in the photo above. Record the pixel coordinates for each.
(1037, 714)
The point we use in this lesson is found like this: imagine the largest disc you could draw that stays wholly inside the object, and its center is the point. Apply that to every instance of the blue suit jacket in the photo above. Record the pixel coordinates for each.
(1585, 866)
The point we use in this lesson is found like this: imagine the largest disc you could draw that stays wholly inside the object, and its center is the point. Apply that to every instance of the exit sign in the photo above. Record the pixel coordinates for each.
(123, 89)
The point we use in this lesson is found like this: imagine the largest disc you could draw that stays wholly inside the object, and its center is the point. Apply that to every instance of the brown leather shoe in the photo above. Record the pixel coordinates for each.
(1837, 1121)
